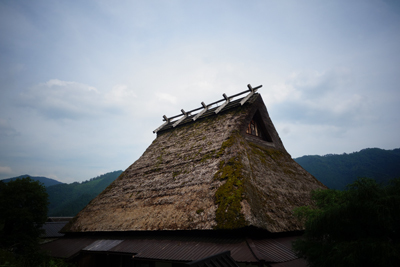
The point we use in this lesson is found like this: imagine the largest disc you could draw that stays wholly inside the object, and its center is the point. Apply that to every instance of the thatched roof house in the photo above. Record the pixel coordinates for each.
(214, 168)
(211, 173)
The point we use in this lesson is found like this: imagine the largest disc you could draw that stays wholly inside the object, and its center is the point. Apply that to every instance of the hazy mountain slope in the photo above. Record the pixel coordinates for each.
(69, 199)
(44, 180)
(336, 171)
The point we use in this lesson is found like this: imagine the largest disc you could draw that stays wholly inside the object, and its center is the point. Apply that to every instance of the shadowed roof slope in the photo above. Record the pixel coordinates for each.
(206, 174)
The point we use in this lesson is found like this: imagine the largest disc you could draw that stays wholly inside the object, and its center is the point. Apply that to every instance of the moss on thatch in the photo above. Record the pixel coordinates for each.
(229, 195)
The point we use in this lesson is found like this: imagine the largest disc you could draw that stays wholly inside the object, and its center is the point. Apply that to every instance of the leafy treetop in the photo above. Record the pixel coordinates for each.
(23, 209)
(356, 227)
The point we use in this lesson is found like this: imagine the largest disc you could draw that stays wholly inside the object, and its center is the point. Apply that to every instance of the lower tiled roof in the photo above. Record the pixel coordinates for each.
(185, 248)
(67, 247)
(178, 248)
(52, 229)
(223, 259)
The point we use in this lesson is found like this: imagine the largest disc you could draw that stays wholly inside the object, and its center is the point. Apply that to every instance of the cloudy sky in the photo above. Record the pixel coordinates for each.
(84, 83)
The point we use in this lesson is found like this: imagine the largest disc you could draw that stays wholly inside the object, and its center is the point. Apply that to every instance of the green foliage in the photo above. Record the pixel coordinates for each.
(23, 209)
(34, 259)
(356, 227)
(69, 199)
(336, 171)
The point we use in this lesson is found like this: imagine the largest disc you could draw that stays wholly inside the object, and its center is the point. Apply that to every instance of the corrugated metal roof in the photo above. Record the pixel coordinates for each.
(52, 229)
(67, 247)
(223, 259)
(293, 263)
(272, 250)
(185, 249)
(102, 245)
(179, 248)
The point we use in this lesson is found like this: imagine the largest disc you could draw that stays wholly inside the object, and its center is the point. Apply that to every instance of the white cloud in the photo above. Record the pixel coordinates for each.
(57, 99)
(5, 170)
(120, 94)
(320, 97)
(70, 85)
(282, 92)
(349, 105)
(313, 138)
(166, 97)
(6, 129)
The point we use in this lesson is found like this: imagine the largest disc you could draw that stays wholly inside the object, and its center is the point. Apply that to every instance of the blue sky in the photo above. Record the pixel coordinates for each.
(84, 83)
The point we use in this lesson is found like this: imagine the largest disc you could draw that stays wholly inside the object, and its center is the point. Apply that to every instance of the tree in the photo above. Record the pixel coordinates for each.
(23, 209)
(356, 227)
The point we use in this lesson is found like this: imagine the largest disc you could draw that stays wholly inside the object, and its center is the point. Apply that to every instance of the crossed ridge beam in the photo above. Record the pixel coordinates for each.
(251, 91)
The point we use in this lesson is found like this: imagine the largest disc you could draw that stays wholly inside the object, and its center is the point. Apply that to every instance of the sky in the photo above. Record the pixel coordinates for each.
(83, 84)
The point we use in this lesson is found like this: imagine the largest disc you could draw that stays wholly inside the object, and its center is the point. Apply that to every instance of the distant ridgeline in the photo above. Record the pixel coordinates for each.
(69, 199)
(336, 171)
(44, 180)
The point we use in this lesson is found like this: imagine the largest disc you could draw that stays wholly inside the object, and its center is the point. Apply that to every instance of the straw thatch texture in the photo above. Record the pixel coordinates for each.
(207, 174)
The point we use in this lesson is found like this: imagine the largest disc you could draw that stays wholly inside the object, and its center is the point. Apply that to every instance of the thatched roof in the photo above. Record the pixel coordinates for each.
(206, 174)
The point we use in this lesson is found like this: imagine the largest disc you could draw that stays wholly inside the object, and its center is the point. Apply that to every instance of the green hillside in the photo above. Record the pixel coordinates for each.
(44, 180)
(336, 171)
(69, 199)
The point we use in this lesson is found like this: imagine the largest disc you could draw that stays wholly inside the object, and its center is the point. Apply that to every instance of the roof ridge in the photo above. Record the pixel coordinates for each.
(205, 107)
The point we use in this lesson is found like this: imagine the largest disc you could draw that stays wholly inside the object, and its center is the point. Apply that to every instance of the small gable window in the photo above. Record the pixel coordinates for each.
(256, 127)
(253, 129)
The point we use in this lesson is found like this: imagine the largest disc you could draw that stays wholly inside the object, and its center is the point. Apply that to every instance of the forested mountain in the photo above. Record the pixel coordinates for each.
(336, 171)
(45, 181)
(69, 199)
